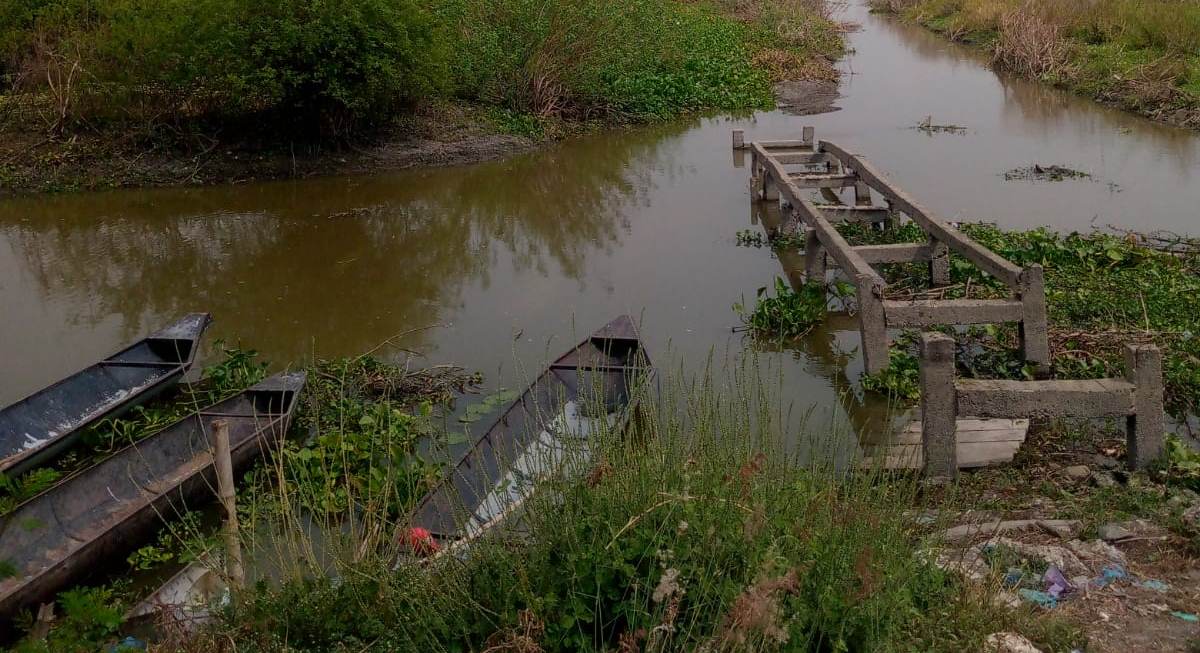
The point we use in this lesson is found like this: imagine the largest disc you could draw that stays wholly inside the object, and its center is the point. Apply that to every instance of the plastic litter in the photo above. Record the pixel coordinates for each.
(1186, 616)
(1109, 575)
(1040, 598)
(1156, 585)
(130, 644)
(1057, 584)
(1013, 577)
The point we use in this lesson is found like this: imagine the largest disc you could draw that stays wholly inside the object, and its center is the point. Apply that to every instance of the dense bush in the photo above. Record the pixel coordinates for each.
(327, 63)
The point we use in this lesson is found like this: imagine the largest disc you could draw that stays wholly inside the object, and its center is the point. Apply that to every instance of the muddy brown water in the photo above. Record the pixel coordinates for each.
(515, 260)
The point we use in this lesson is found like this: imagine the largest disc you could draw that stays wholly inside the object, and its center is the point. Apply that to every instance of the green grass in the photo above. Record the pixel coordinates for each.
(700, 528)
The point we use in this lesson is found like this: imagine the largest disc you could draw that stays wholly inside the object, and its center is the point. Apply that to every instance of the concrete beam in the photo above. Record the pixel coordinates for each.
(984, 258)
(1091, 398)
(897, 253)
(930, 312)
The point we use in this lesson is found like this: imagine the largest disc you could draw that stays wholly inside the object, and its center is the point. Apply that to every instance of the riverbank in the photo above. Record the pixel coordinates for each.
(114, 127)
(678, 536)
(1140, 57)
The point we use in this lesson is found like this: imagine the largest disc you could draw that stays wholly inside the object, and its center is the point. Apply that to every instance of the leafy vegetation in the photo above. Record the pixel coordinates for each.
(1140, 54)
(900, 380)
(788, 314)
(333, 67)
(697, 530)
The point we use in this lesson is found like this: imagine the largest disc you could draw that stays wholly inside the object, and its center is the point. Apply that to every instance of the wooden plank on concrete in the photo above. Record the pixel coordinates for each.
(972, 430)
(970, 455)
(930, 312)
(980, 442)
(1003, 398)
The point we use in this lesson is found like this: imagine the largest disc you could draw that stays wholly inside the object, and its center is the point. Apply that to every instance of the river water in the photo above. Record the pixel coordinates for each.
(510, 263)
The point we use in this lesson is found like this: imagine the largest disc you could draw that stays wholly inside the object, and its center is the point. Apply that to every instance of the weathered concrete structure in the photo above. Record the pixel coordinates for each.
(1138, 398)
(828, 167)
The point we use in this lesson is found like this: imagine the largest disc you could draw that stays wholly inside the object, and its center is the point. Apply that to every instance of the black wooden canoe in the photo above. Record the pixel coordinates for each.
(58, 537)
(44, 425)
(595, 381)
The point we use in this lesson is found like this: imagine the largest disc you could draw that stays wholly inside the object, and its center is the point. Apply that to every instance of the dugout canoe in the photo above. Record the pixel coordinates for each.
(44, 425)
(547, 428)
(101, 513)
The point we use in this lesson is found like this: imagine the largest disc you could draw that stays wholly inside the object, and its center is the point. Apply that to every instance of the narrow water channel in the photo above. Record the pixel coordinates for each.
(509, 263)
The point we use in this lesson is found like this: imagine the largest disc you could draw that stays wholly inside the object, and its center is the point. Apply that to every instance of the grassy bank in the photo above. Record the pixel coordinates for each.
(700, 529)
(1141, 55)
(707, 526)
(223, 88)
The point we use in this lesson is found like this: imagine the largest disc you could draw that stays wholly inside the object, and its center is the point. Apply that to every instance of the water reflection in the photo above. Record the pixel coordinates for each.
(343, 262)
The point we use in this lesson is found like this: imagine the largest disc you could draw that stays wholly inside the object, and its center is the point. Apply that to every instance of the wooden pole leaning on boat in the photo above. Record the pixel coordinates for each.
(223, 461)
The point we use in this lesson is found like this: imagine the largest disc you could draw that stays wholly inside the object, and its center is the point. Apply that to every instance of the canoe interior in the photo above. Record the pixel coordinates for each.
(56, 537)
(43, 425)
(591, 383)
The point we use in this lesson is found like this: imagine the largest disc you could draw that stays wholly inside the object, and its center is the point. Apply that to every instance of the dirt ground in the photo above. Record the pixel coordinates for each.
(1112, 519)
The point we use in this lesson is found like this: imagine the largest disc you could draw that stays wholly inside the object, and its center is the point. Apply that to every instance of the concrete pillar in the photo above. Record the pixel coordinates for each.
(939, 409)
(770, 190)
(862, 194)
(814, 257)
(939, 264)
(1035, 342)
(808, 135)
(1145, 428)
(872, 323)
(739, 139)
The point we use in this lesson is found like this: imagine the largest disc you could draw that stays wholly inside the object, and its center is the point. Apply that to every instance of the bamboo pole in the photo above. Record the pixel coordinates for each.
(223, 461)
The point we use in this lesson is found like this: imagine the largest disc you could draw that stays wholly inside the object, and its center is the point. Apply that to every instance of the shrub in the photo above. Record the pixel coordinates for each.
(330, 64)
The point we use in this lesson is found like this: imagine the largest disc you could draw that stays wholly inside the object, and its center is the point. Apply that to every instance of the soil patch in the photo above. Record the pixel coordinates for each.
(32, 162)
(806, 97)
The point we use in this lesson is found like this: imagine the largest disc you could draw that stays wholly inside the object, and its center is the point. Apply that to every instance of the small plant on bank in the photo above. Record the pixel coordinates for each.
(787, 315)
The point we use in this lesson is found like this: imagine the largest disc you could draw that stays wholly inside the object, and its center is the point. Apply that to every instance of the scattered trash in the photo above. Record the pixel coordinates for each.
(1186, 616)
(1057, 585)
(1109, 575)
(1013, 577)
(128, 645)
(1042, 599)
(1156, 585)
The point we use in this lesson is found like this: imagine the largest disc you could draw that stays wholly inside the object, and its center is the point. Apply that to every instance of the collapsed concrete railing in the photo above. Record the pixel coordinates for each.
(772, 181)
(1138, 398)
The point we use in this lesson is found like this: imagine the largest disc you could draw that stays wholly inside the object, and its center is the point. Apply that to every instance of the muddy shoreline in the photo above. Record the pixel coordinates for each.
(33, 163)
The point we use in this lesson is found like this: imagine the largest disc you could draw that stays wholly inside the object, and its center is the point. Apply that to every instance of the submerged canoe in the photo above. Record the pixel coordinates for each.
(545, 431)
(59, 536)
(44, 425)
